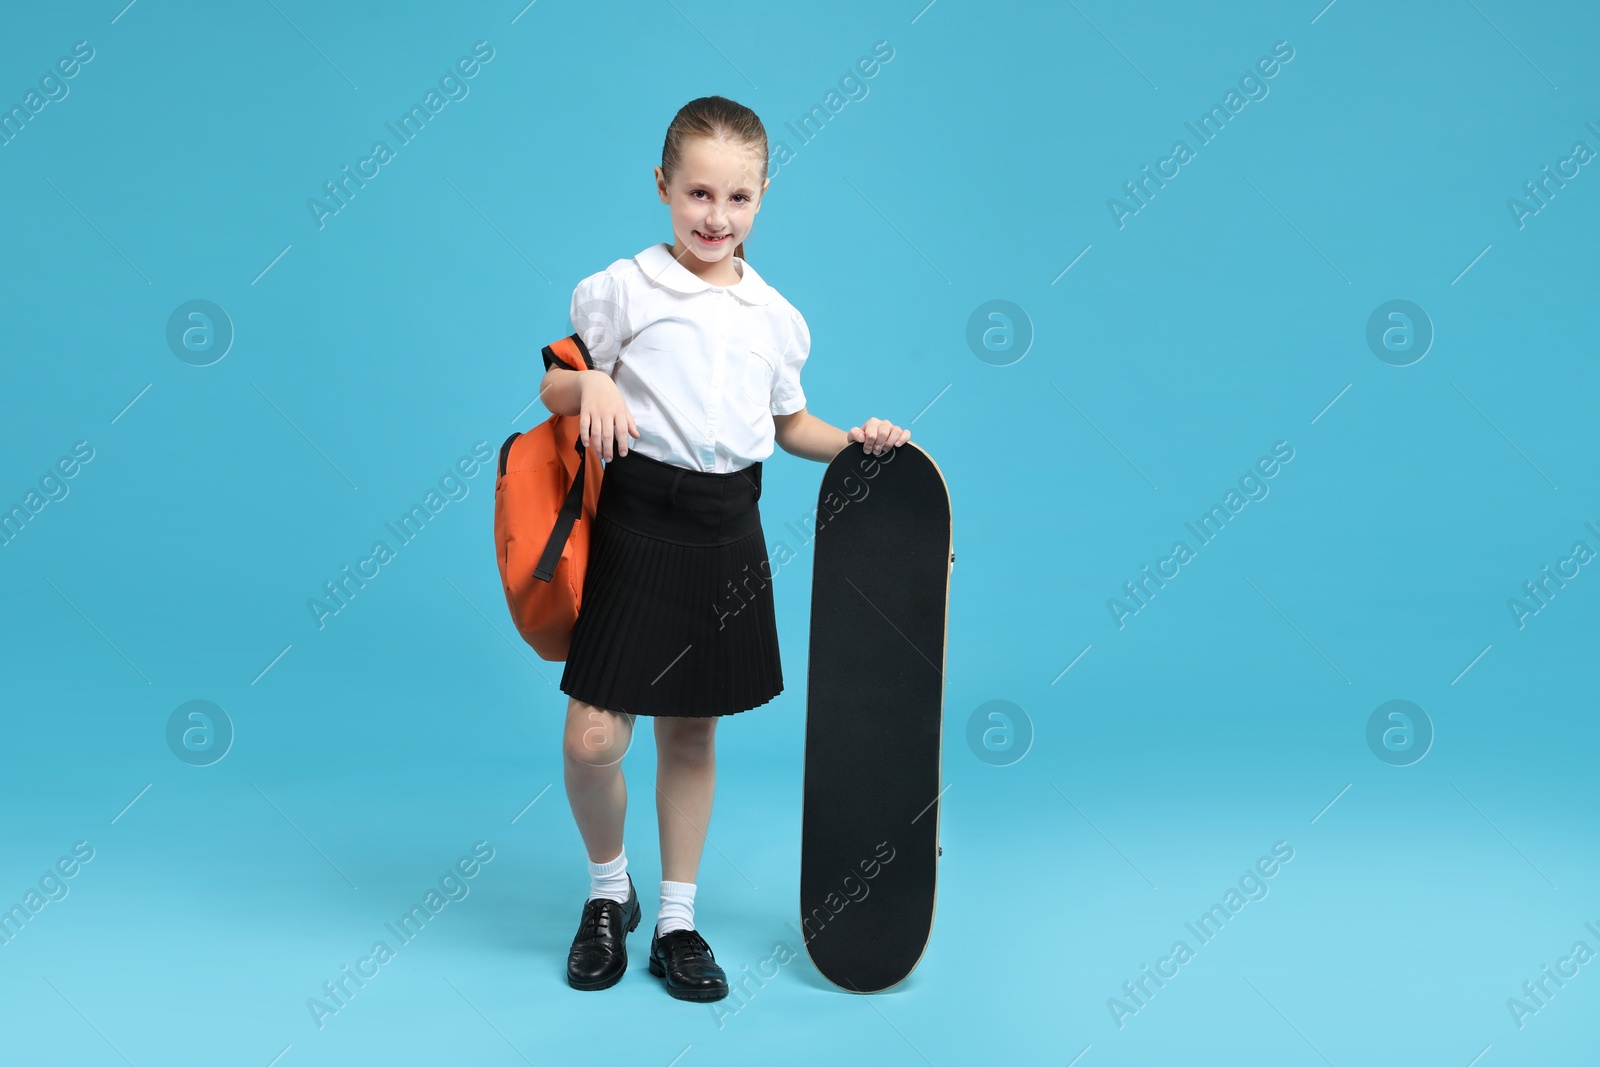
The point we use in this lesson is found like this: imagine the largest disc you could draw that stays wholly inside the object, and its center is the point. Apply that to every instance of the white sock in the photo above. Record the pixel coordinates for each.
(610, 880)
(677, 907)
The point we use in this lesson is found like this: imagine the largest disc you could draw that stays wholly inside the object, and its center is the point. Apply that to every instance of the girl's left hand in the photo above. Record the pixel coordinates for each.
(880, 435)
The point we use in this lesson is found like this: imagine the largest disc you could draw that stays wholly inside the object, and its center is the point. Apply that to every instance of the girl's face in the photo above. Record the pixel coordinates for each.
(714, 197)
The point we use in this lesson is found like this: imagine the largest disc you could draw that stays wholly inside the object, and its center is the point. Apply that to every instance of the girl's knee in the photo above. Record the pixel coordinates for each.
(594, 736)
(687, 739)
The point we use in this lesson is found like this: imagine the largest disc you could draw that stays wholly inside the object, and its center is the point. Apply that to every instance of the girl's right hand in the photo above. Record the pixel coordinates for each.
(603, 416)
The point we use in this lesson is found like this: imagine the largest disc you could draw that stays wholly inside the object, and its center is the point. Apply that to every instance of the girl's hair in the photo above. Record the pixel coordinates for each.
(717, 118)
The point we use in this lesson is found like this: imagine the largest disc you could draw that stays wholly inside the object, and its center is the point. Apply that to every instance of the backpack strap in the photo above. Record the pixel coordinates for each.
(565, 520)
(571, 353)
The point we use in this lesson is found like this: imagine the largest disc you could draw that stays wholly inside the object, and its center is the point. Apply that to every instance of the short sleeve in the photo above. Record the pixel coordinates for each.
(599, 316)
(787, 396)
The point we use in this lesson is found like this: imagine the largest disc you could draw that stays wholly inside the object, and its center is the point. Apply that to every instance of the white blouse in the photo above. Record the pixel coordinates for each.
(703, 368)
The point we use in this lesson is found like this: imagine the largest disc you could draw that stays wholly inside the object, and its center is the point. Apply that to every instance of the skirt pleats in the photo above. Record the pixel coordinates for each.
(667, 626)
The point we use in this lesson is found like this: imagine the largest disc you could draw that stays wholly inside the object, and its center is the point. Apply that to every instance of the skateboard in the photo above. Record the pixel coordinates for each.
(869, 838)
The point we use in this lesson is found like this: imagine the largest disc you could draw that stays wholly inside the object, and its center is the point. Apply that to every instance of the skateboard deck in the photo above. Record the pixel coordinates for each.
(869, 839)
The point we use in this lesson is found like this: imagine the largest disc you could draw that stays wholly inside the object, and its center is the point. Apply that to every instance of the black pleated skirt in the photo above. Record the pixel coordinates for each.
(677, 610)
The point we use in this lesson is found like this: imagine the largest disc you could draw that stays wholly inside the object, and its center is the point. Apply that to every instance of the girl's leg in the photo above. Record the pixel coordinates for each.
(686, 775)
(594, 744)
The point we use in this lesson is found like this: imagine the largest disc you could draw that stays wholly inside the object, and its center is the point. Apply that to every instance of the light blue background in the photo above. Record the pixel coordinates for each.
(1230, 713)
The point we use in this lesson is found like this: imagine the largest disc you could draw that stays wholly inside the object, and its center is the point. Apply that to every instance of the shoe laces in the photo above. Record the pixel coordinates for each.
(690, 943)
(597, 914)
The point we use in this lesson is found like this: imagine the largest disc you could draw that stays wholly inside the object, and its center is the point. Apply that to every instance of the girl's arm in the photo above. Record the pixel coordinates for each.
(592, 396)
(803, 434)
(560, 390)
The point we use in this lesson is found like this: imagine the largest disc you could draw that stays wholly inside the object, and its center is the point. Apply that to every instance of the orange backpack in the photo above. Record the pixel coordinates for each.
(545, 496)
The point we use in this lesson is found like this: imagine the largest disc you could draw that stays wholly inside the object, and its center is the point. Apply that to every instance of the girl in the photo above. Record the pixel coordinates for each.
(699, 360)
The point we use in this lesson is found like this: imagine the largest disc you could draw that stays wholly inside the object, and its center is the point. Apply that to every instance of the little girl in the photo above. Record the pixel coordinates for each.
(698, 359)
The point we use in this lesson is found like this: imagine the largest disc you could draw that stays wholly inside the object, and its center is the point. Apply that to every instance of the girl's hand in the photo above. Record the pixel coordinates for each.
(879, 435)
(603, 416)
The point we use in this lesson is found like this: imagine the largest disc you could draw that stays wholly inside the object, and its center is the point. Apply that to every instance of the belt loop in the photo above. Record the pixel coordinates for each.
(672, 493)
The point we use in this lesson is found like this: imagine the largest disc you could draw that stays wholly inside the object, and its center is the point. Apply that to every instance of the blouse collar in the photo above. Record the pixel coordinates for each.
(660, 267)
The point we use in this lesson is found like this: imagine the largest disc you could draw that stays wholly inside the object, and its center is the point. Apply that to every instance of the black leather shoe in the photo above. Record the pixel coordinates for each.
(600, 950)
(683, 961)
